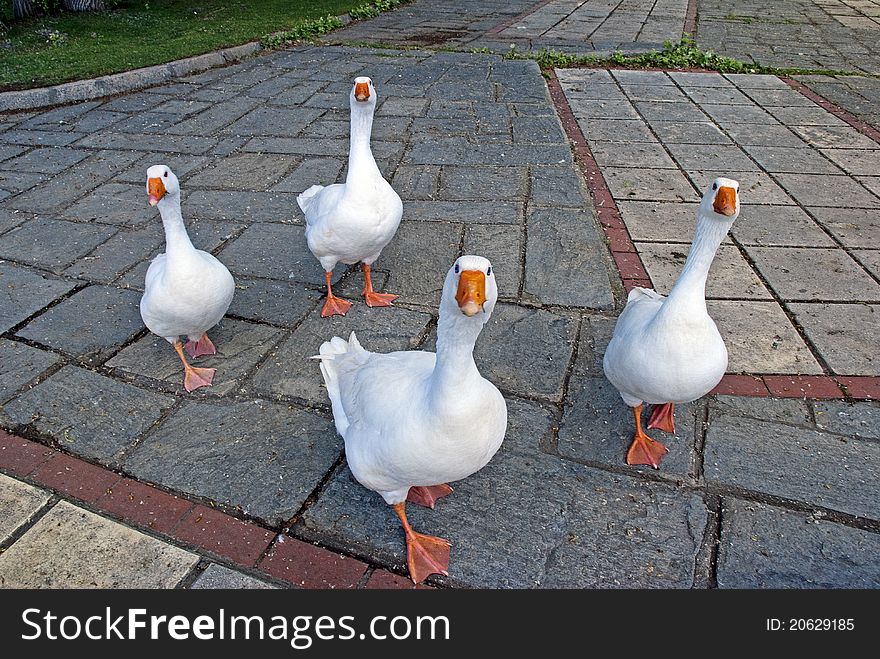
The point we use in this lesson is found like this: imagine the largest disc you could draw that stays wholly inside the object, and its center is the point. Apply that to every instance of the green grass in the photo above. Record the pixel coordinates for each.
(684, 54)
(53, 49)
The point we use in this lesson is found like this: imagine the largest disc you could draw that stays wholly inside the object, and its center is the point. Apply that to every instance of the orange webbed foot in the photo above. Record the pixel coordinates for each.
(426, 555)
(335, 306)
(195, 378)
(374, 299)
(645, 451)
(203, 346)
(662, 417)
(427, 496)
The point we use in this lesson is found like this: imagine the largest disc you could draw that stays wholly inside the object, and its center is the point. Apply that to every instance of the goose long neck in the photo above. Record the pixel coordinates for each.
(456, 336)
(690, 288)
(177, 242)
(361, 164)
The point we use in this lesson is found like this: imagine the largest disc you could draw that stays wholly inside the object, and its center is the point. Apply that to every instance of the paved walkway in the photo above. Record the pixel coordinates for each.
(769, 482)
(814, 34)
(833, 34)
(579, 26)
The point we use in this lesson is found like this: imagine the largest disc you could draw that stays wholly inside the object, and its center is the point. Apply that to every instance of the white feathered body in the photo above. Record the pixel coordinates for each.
(656, 357)
(351, 223)
(401, 428)
(185, 295)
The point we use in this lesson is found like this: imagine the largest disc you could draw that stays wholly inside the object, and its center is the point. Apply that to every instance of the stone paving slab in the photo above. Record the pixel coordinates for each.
(89, 324)
(765, 547)
(26, 292)
(19, 502)
(87, 413)
(21, 364)
(240, 347)
(51, 555)
(858, 95)
(215, 450)
(810, 466)
(216, 576)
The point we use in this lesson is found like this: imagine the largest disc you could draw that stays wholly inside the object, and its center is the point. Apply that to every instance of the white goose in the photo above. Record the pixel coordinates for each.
(667, 350)
(352, 222)
(413, 421)
(187, 291)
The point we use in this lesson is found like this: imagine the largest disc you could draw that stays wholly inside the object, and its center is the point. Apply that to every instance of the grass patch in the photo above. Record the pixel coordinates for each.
(684, 54)
(137, 33)
(327, 24)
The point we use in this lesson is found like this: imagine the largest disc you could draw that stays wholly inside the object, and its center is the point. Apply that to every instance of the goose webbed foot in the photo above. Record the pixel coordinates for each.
(662, 417)
(374, 299)
(203, 346)
(644, 450)
(333, 306)
(193, 378)
(371, 297)
(427, 496)
(425, 554)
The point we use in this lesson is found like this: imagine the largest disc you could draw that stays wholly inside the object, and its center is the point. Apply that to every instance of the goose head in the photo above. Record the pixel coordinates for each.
(721, 200)
(470, 290)
(161, 181)
(363, 94)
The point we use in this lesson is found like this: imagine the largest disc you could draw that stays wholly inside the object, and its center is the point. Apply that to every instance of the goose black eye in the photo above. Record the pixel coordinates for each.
(456, 268)
(714, 186)
(489, 271)
(166, 173)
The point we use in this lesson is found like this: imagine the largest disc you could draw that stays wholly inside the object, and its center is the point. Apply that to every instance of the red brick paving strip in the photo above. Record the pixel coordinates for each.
(802, 386)
(864, 128)
(144, 505)
(20, 456)
(630, 284)
(741, 385)
(690, 19)
(385, 580)
(308, 566)
(75, 478)
(627, 259)
(861, 387)
(224, 535)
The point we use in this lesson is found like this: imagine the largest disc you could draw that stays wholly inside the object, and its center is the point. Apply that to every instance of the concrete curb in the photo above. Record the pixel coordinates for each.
(126, 81)
(83, 90)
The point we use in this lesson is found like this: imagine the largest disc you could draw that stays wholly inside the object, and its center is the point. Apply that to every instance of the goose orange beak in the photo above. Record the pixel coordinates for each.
(471, 292)
(361, 91)
(725, 201)
(156, 190)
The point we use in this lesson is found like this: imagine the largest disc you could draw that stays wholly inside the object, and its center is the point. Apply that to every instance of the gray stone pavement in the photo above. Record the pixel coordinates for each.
(813, 34)
(858, 95)
(44, 541)
(602, 26)
(578, 26)
(475, 149)
(833, 35)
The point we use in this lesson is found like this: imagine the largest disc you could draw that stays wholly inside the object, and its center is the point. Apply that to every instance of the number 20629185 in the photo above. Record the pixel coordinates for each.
(811, 624)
